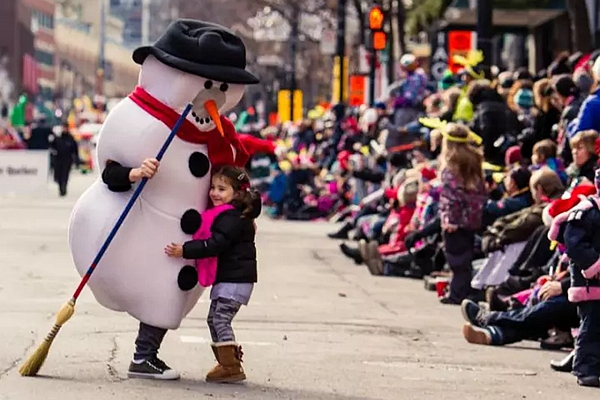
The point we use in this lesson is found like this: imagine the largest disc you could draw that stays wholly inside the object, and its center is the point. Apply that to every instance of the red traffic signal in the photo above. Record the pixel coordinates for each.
(379, 40)
(376, 19)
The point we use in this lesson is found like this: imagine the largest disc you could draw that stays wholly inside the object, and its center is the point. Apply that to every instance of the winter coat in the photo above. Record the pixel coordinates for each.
(396, 242)
(514, 228)
(588, 117)
(582, 242)
(460, 206)
(491, 120)
(497, 209)
(232, 242)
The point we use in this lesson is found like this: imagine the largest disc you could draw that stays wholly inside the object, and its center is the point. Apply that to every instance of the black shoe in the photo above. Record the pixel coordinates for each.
(473, 314)
(351, 253)
(589, 381)
(564, 365)
(342, 233)
(449, 300)
(152, 369)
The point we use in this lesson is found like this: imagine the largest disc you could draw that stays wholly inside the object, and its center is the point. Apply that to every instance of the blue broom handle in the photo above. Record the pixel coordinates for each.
(131, 202)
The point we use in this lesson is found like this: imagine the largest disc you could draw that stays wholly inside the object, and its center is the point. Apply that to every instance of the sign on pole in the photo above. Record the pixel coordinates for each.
(335, 84)
(438, 63)
(283, 105)
(459, 43)
(23, 171)
(328, 42)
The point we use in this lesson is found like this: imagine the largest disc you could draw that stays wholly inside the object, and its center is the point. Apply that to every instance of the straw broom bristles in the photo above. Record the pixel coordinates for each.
(35, 361)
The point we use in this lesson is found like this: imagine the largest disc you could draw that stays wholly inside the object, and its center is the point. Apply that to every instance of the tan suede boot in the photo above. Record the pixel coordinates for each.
(229, 369)
(217, 369)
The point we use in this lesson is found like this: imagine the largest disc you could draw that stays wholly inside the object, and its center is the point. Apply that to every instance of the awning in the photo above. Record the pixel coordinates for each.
(502, 19)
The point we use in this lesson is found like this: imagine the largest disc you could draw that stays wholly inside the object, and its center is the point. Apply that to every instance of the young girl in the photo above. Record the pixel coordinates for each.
(232, 242)
(462, 199)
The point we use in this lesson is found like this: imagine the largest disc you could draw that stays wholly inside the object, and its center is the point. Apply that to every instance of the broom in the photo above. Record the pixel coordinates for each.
(34, 363)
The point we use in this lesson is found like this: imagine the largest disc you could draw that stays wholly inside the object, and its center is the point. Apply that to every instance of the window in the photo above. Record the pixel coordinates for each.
(44, 58)
(40, 19)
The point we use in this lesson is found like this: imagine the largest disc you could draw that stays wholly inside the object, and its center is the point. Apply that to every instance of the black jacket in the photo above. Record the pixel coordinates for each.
(582, 241)
(232, 242)
(64, 149)
(491, 120)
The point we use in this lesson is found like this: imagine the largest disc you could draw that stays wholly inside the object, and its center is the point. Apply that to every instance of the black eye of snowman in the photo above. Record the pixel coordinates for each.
(208, 85)
(223, 87)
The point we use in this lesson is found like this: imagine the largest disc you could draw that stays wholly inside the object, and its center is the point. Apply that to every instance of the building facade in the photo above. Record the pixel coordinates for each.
(78, 33)
(16, 50)
(42, 25)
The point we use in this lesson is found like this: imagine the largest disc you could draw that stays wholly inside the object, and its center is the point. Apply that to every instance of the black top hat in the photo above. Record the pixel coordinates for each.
(201, 48)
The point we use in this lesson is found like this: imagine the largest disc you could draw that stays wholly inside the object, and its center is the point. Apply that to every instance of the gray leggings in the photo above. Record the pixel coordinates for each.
(220, 316)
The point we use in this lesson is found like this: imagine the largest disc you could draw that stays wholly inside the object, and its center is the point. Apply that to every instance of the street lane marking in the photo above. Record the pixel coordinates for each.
(200, 339)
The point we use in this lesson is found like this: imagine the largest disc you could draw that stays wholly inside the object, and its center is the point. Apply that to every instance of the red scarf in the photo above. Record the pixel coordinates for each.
(219, 147)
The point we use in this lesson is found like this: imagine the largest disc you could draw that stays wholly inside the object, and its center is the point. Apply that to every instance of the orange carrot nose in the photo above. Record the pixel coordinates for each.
(213, 112)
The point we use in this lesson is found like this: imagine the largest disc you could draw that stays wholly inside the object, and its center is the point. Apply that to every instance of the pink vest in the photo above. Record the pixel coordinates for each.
(207, 267)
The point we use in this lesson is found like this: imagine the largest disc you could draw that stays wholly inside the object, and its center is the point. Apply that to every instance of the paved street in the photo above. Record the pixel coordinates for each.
(318, 327)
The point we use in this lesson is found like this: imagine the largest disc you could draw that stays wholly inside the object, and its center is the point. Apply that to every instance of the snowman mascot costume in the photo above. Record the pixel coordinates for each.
(193, 62)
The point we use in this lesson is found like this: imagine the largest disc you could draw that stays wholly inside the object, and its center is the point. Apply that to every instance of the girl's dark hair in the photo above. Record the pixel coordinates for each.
(243, 198)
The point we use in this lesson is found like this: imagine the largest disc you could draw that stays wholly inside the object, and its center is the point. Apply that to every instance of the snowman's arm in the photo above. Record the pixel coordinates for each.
(226, 230)
(254, 145)
(116, 177)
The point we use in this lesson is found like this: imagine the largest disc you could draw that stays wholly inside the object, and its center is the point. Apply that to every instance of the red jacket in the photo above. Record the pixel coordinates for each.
(396, 243)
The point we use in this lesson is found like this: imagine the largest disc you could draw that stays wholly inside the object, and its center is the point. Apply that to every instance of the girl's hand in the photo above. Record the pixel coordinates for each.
(448, 227)
(174, 250)
(148, 169)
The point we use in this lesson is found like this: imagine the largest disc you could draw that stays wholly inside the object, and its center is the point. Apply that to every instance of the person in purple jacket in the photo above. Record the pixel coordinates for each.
(462, 200)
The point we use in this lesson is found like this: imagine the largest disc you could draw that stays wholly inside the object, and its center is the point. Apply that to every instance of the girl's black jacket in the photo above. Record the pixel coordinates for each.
(232, 242)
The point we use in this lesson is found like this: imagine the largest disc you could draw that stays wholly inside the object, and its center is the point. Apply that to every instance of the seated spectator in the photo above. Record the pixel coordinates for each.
(545, 155)
(585, 160)
(518, 196)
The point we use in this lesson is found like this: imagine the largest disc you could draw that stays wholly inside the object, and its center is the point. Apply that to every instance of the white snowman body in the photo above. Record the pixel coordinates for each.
(134, 275)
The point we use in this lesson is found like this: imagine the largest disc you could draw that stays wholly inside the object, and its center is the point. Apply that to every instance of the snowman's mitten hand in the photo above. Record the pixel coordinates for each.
(116, 177)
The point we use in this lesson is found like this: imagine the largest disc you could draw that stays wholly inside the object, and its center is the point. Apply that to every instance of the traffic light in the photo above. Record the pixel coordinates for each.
(376, 19)
(378, 36)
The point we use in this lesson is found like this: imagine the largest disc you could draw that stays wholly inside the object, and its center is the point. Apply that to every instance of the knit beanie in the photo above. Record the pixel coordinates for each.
(524, 98)
(512, 156)
(447, 81)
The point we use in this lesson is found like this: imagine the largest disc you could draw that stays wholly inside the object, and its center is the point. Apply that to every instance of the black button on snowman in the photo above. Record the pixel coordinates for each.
(191, 220)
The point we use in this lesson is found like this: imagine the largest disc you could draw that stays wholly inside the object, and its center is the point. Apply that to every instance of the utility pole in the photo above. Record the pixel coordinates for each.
(485, 10)
(372, 69)
(101, 51)
(145, 22)
(377, 41)
(597, 23)
(295, 22)
(341, 45)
